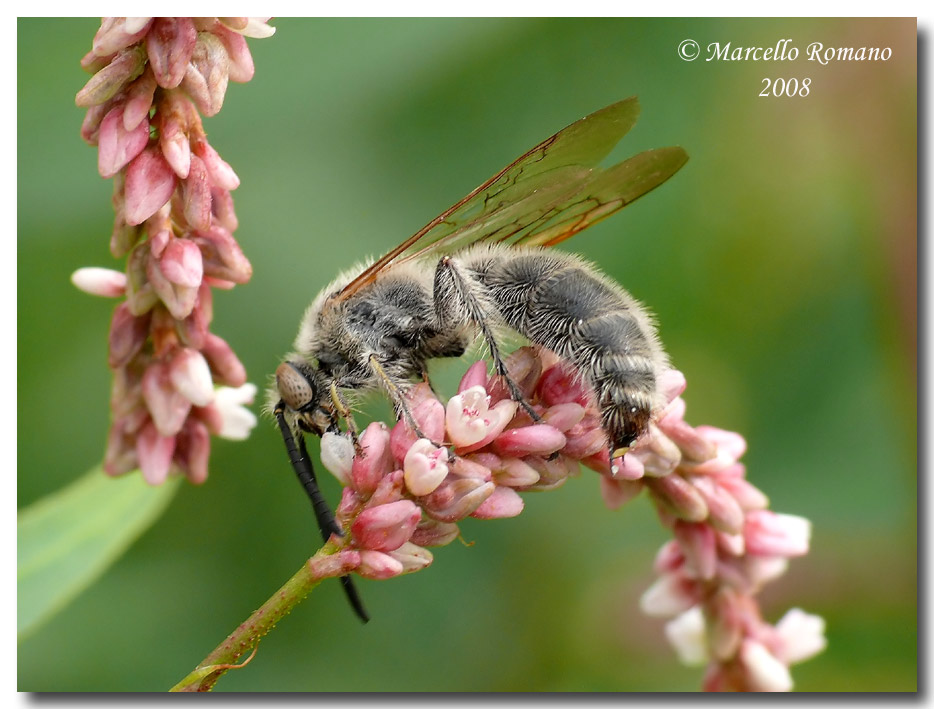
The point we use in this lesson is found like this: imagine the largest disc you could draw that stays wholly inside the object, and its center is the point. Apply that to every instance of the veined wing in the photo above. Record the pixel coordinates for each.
(545, 196)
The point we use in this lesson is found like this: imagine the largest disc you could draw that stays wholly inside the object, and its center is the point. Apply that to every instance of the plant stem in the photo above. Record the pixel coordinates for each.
(326, 563)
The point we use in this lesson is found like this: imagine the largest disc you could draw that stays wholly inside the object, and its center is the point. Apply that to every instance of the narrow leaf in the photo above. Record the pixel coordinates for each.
(66, 540)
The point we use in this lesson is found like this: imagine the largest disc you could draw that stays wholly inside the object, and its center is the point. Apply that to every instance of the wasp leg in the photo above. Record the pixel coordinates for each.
(395, 389)
(301, 464)
(457, 299)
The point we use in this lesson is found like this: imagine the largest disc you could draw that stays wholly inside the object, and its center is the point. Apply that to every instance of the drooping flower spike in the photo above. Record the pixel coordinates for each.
(175, 382)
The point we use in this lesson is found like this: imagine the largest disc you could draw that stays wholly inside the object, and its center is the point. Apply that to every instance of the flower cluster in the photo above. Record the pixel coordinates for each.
(174, 222)
(403, 492)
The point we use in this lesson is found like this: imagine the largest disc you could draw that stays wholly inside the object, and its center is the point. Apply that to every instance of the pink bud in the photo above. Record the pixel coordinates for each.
(525, 369)
(657, 452)
(456, 498)
(669, 558)
(379, 566)
(221, 174)
(168, 407)
(155, 454)
(699, 544)
(206, 74)
(679, 496)
(670, 385)
(191, 376)
(169, 45)
(693, 445)
(462, 467)
(333, 565)
(513, 472)
(100, 281)
(629, 467)
(553, 472)
(116, 145)
(90, 126)
(391, 488)
(223, 209)
(412, 557)
(771, 534)
(764, 672)
(117, 33)
(222, 255)
(375, 461)
(537, 439)
(431, 533)
(504, 502)
(747, 495)
(150, 183)
(192, 450)
(181, 263)
(173, 134)
(564, 416)
(120, 456)
(127, 336)
(560, 385)
(726, 627)
(616, 493)
(725, 513)
(224, 363)
(139, 100)
(582, 443)
(105, 84)
(386, 527)
(179, 299)
(196, 195)
(425, 467)
(241, 62)
(670, 595)
(475, 376)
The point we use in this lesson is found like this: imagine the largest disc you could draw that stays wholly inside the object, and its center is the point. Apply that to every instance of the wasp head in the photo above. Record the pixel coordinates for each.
(304, 392)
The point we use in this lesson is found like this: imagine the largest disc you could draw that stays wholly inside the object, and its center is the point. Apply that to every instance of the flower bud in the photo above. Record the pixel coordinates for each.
(150, 183)
(504, 502)
(127, 336)
(799, 636)
(679, 496)
(105, 84)
(386, 527)
(699, 544)
(475, 376)
(206, 74)
(379, 566)
(139, 97)
(617, 492)
(168, 407)
(191, 376)
(771, 534)
(537, 439)
(192, 450)
(412, 557)
(170, 44)
(116, 145)
(457, 498)
(196, 195)
(155, 454)
(431, 533)
(224, 363)
(223, 257)
(375, 461)
(513, 472)
(670, 595)
(764, 672)
(100, 281)
(337, 456)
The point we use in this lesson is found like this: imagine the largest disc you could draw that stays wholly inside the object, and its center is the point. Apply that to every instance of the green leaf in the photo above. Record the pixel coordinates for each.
(66, 540)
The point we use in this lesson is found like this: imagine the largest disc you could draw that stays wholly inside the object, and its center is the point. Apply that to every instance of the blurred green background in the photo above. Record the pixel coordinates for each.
(781, 263)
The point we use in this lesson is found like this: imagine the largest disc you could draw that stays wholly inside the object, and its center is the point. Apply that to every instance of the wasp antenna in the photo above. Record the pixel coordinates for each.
(327, 525)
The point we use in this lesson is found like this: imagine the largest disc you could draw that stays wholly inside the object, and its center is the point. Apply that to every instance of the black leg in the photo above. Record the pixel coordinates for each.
(301, 464)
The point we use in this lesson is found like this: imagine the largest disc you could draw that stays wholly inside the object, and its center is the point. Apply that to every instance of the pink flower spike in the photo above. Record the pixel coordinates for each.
(504, 502)
(764, 672)
(191, 376)
(386, 527)
(100, 281)
(475, 376)
(771, 534)
(169, 45)
(537, 439)
(379, 566)
(425, 467)
(117, 146)
(470, 421)
(150, 183)
(168, 407)
(376, 460)
(155, 454)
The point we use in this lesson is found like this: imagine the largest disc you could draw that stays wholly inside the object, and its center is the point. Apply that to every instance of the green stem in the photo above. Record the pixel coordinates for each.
(326, 563)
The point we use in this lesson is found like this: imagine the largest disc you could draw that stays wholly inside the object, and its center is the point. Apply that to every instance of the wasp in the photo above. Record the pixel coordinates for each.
(477, 267)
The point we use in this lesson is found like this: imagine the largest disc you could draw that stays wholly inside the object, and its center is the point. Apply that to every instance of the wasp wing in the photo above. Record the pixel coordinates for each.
(545, 196)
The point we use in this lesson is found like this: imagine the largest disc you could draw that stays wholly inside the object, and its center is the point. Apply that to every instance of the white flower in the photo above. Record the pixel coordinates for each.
(687, 634)
(765, 672)
(337, 455)
(425, 467)
(237, 420)
(470, 419)
(801, 636)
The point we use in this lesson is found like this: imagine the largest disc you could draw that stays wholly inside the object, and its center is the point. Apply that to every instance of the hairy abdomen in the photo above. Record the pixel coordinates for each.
(562, 303)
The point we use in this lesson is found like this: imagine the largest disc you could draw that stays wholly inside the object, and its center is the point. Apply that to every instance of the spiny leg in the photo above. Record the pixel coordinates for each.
(394, 389)
(453, 291)
(327, 524)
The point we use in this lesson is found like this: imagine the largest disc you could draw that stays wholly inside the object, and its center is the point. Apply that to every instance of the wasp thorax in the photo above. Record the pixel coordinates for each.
(296, 390)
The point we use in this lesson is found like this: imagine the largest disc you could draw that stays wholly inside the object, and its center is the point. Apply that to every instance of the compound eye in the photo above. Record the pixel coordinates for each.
(294, 388)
